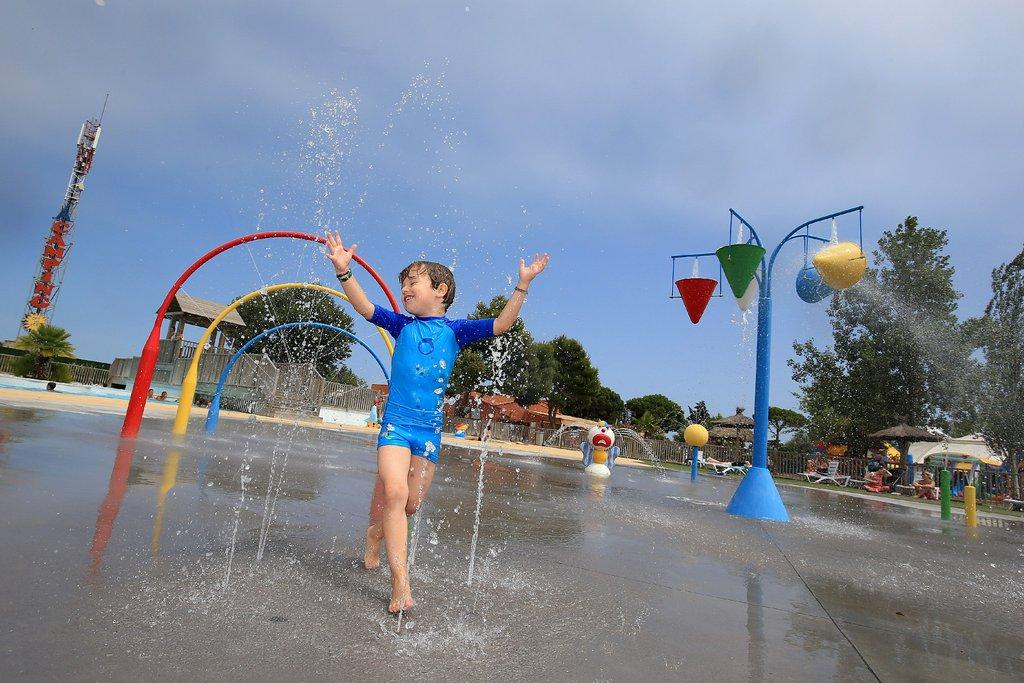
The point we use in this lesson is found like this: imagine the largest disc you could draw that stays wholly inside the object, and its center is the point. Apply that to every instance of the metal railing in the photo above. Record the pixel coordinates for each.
(83, 374)
(348, 397)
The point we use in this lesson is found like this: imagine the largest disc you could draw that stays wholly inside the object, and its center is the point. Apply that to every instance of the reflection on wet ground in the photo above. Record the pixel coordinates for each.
(238, 556)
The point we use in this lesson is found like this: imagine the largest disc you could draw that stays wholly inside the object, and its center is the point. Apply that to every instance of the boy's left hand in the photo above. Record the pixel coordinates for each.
(528, 272)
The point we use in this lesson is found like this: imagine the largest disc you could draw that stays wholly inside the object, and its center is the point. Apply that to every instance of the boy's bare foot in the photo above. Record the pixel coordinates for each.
(401, 597)
(371, 558)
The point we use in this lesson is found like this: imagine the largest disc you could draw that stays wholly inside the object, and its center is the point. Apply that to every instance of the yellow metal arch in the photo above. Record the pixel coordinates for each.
(188, 385)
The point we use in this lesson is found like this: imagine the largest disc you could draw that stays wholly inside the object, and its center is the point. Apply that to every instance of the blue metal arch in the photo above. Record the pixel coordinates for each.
(213, 415)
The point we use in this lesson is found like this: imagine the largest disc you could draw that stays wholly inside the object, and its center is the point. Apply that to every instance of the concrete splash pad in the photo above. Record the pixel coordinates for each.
(642, 576)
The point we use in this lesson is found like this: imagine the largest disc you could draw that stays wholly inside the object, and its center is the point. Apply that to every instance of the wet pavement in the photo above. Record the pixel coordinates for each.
(237, 556)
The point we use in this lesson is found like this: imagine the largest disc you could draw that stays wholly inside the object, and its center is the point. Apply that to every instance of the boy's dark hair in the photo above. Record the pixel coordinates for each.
(437, 273)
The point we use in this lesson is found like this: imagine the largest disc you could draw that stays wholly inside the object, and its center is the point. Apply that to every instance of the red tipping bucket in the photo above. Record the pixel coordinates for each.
(696, 293)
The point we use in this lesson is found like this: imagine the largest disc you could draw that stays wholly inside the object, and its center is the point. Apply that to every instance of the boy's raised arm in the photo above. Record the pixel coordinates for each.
(341, 258)
(508, 315)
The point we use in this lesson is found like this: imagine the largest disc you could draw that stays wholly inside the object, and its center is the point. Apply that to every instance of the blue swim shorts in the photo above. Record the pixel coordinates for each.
(424, 442)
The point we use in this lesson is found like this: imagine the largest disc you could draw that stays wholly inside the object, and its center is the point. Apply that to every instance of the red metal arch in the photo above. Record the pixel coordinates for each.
(147, 362)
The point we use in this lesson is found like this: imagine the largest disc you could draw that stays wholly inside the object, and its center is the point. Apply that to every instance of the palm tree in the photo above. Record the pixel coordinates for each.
(43, 344)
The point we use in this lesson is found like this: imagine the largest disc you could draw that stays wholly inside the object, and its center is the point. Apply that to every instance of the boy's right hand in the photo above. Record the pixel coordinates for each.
(338, 254)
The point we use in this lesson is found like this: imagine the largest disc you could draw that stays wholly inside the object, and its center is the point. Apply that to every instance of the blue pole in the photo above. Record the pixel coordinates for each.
(761, 380)
(757, 496)
(213, 414)
(693, 463)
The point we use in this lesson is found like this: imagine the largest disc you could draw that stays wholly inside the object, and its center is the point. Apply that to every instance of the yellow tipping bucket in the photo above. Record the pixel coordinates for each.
(841, 265)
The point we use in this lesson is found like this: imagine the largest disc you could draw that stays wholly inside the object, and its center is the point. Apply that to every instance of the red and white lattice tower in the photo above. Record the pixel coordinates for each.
(50, 274)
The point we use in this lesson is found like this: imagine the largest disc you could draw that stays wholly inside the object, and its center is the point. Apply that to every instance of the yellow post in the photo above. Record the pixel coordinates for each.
(188, 385)
(167, 483)
(971, 506)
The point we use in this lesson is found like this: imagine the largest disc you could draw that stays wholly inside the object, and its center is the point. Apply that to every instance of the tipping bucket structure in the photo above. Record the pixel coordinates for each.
(809, 286)
(740, 262)
(696, 293)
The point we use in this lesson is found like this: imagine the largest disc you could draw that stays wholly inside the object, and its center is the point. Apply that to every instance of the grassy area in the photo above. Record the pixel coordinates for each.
(983, 506)
(668, 465)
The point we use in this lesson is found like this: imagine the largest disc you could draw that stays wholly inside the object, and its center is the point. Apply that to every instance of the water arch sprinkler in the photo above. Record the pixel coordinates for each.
(147, 361)
(188, 385)
(840, 265)
(213, 415)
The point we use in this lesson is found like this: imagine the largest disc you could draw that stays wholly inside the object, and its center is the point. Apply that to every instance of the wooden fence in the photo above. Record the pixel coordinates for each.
(82, 374)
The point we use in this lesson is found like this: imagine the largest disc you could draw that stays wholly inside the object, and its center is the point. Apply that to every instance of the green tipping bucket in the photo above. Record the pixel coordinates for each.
(739, 263)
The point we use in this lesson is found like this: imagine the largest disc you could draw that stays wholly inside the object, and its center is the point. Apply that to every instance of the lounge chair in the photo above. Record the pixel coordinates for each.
(720, 467)
(832, 476)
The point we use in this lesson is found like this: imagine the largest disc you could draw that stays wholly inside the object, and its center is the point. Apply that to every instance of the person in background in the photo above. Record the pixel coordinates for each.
(925, 487)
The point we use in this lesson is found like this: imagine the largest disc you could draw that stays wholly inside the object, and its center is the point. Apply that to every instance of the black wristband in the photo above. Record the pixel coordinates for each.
(346, 276)
(521, 291)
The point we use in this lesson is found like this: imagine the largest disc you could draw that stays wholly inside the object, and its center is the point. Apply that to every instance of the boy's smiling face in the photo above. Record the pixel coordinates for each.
(420, 297)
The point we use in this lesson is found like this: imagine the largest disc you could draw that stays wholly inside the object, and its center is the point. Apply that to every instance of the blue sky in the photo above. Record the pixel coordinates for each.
(610, 135)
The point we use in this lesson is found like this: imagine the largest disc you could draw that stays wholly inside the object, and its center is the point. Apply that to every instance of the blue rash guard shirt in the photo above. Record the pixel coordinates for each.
(425, 351)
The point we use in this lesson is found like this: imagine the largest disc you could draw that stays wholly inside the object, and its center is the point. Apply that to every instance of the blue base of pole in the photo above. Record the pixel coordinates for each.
(213, 415)
(758, 498)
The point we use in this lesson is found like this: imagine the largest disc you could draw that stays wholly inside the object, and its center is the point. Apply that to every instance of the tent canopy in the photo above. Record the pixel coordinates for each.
(966, 449)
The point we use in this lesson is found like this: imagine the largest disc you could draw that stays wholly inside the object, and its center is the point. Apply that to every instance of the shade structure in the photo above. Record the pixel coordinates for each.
(739, 263)
(731, 434)
(841, 265)
(971, 448)
(696, 293)
(740, 419)
(905, 432)
(809, 286)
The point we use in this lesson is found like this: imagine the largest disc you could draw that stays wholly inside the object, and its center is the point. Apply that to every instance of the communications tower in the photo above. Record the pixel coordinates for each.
(52, 264)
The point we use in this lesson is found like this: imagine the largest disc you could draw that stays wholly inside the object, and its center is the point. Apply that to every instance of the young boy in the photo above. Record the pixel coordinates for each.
(426, 344)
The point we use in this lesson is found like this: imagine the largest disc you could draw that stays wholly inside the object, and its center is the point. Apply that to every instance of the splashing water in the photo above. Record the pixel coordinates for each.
(230, 551)
(270, 503)
(476, 518)
(414, 541)
(632, 435)
(564, 429)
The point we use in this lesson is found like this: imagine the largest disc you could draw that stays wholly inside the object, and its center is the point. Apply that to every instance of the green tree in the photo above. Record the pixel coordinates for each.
(576, 381)
(512, 364)
(898, 352)
(468, 375)
(43, 344)
(1000, 335)
(506, 357)
(326, 350)
(344, 375)
(781, 420)
(648, 425)
(606, 405)
(698, 414)
(664, 411)
(540, 374)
